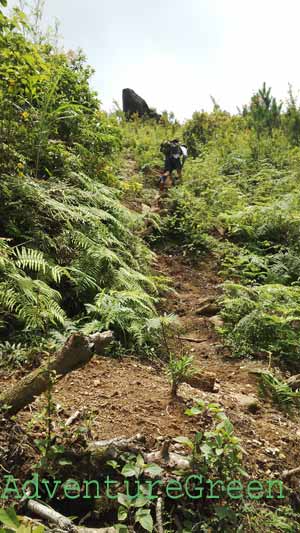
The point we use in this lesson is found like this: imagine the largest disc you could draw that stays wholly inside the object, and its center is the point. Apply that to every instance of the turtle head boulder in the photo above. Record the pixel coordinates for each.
(135, 104)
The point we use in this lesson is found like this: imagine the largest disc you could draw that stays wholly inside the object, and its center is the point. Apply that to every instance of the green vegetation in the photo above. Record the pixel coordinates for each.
(178, 370)
(278, 391)
(283, 520)
(77, 186)
(239, 205)
(70, 251)
(11, 523)
(240, 202)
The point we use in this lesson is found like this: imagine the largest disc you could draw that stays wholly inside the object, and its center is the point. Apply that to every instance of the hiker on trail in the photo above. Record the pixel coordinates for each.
(175, 156)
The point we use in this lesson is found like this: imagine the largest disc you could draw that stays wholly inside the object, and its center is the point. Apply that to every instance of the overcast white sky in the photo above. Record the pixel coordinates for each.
(176, 53)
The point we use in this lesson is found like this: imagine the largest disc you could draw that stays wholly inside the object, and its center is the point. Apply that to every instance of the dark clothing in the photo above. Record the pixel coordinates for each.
(172, 163)
(169, 149)
(172, 152)
(175, 155)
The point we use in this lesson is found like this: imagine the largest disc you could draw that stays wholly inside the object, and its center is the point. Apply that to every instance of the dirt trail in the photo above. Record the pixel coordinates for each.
(269, 437)
(128, 396)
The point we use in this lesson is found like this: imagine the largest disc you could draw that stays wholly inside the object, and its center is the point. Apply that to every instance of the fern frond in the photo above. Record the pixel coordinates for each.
(31, 259)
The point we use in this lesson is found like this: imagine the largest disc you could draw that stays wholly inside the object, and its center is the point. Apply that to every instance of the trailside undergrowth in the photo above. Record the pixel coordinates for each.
(70, 252)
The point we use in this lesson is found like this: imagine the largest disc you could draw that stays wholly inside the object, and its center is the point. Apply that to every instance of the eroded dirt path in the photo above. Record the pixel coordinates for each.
(270, 438)
(129, 396)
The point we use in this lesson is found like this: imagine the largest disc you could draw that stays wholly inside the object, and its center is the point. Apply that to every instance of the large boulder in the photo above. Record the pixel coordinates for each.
(133, 103)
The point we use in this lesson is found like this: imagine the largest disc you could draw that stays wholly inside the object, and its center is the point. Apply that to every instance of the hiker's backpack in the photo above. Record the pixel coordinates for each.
(172, 149)
(165, 148)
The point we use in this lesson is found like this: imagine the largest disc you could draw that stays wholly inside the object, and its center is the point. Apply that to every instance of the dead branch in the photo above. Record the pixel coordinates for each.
(159, 518)
(96, 530)
(191, 339)
(76, 352)
(120, 442)
(47, 513)
(63, 523)
(72, 418)
(103, 450)
(286, 474)
(165, 458)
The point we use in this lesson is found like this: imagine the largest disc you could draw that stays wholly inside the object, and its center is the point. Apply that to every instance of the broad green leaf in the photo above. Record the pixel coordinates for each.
(206, 450)
(194, 411)
(140, 461)
(57, 448)
(122, 513)
(124, 500)
(113, 464)
(184, 440)
(9, 518)
(153, 469)
(130, 470)
(198, 437)
(213, 407)
(228, 426)
(140, 502)
(121, 528)
(24, 529)
(218, 440)
(39, 529)
(143, 517)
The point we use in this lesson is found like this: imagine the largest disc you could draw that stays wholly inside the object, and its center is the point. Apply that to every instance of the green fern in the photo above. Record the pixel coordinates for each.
(125, 311)
(31, 301)
(279, 391)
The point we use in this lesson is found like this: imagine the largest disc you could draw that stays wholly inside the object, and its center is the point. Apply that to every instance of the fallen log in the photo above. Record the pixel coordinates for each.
(121, 442)
(76, 352)
(104, 450)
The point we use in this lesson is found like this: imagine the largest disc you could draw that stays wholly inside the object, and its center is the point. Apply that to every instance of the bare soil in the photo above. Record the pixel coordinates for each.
(128, 396)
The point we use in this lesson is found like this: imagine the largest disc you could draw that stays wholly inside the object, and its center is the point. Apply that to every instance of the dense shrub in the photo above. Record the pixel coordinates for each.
(67, 242)
(264, 318)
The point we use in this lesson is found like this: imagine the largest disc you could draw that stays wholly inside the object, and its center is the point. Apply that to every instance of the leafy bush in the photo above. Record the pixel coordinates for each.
(263, 113)
(264, 318)
(264, 520)
(70, 243)
(202, 128)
